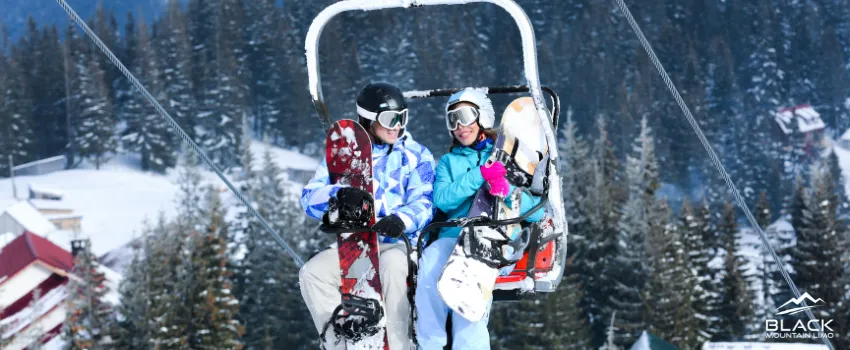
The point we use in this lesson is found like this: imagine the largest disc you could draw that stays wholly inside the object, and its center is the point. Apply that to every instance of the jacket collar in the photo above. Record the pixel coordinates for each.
(467, 151)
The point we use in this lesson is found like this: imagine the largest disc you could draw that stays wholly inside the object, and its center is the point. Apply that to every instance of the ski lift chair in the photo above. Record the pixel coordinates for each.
(548, 253)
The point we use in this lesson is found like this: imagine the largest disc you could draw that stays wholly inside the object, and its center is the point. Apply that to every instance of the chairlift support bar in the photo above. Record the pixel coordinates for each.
(532, 77)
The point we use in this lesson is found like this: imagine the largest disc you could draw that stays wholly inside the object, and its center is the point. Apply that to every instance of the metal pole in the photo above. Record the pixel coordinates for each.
(12, 176)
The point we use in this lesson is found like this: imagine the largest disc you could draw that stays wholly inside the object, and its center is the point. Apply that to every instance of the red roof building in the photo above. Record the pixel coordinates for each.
(31, 263)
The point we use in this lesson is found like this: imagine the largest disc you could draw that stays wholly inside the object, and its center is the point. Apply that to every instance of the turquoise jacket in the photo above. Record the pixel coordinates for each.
(459, 177)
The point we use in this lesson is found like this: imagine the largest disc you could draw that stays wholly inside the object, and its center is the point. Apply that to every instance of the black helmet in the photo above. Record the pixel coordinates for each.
(376, 98)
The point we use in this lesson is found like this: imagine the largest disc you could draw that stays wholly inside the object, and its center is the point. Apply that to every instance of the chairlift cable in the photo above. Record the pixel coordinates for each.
(716, 160)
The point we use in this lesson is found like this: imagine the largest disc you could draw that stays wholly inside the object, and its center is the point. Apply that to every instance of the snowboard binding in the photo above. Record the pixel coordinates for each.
(356, 318)
(344, 218)
(493, 246)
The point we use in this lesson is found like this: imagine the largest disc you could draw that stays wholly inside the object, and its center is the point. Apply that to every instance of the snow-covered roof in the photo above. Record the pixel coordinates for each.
(761, 346)
(39, 162)
(647, 341)
(5, 238)
(52, 192)
(846, 135)
(806, 117)
(49, 204)
(28, 217)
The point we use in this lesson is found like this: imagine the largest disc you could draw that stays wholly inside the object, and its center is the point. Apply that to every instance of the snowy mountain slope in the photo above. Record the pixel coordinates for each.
(115, 200)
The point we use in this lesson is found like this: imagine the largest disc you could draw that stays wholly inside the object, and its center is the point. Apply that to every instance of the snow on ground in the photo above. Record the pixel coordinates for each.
(115, 200)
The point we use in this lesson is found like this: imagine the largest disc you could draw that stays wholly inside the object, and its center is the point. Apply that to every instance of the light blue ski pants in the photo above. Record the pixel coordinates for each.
(432, 311)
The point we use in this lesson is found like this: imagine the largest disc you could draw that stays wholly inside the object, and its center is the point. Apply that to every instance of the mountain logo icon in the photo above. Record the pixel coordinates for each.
(813, 303)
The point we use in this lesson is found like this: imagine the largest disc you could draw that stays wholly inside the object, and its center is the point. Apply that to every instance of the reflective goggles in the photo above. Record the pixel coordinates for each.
(465, 116)
(387, 119)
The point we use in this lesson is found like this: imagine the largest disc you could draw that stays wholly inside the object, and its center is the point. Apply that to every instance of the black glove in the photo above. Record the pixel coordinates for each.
(390, 226)
(350, 205)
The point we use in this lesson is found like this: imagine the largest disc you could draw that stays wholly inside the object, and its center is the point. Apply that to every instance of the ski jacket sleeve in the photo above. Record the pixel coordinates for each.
(317, 192)
(448, 194)
(418, 208)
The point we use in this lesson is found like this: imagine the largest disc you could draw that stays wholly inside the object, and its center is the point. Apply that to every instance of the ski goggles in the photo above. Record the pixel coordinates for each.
(387, 119)
(465, 116)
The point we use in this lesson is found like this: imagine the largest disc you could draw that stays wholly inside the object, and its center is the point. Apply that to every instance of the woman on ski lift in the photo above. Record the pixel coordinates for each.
(460, 173)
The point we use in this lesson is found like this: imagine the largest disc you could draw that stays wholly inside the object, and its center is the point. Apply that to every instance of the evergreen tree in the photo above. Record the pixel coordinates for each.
(174, 52)
(735, 308)
(16, 136)
(87, 322)
(768, 265)
(267, 65)
(820, 271)
(94, 134)
(147, 132)
(604, 197)
(641, 216)
(35, 55)
(566, 325)
(213, 307)
(189, 199)
(223, 105)
(125, 105)
(672, 291)
(132, 330)
(610, 335)
(105, 25)
(166, 300)
(271, 307)
(697, 233)
(577, 173)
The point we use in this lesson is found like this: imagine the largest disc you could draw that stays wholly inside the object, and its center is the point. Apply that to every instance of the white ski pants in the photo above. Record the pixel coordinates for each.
(320, 281)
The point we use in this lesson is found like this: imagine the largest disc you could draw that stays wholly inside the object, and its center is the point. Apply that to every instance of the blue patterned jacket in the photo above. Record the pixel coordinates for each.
(404, 174)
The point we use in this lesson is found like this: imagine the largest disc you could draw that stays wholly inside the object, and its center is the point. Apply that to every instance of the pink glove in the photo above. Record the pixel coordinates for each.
(495, 177)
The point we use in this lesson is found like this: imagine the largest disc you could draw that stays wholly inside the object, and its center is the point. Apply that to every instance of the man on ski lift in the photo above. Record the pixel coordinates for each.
(404, 174)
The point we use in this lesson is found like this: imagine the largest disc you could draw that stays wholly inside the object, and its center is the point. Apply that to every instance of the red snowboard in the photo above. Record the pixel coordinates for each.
(348, 154)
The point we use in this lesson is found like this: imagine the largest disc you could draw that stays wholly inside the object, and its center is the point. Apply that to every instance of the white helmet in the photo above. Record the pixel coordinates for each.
(478, 97)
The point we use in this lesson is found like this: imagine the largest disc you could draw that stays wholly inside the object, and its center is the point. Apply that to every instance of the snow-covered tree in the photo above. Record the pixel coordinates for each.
(132, 329)
(87, 323)
(189, 199)
(820, 245)
(566, 324)
(672, 291)
(629, 271)
(16, 136)
(266, 278)
(213, 307)
(735, 309)
(604, 197)
(148, 133)
(173, 49)
(92, 117)
(697, 231)
(164, 247)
